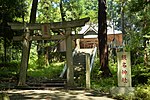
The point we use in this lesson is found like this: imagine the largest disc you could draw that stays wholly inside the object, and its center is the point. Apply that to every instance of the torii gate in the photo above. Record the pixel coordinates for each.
(45, 27)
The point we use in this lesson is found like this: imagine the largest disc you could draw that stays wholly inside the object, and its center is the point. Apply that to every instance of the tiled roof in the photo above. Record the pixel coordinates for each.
(94, 28)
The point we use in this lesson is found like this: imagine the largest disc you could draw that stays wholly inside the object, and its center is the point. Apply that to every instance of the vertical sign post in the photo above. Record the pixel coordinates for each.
(124, 69)
(88, 85)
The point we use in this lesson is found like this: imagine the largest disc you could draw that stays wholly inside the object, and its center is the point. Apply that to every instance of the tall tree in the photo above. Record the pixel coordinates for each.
(76, 9)
(89, 9)
(62, 10)
(137, 26)
(9, 12)
(102, 37)
(48, 11)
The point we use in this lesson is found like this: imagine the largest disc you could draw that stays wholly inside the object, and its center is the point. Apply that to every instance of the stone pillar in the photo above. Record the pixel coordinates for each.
(124, 75)
(124, 69)
(70, 72)
(88, 85)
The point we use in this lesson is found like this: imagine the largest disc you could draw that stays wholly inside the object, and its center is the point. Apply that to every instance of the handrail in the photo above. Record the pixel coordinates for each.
(91, 61)
(93, 57)
(65, 67)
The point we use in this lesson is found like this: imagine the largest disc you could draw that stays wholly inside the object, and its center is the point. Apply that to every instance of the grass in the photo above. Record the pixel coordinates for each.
(100, 83)
(9, 69)
(51, 71)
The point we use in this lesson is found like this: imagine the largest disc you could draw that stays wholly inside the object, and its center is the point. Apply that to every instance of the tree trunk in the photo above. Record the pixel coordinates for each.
(102, 38)
(33, 11)
(5, 49)
(32, 20)
(62, 11)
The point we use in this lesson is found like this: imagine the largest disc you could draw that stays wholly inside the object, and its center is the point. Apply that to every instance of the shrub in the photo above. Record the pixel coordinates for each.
(140, 74)
(103, 84)
(9, 69)
(51, 71)
(142, 92)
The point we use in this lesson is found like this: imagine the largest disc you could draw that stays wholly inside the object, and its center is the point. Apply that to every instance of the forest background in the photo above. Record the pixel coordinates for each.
(130, 16)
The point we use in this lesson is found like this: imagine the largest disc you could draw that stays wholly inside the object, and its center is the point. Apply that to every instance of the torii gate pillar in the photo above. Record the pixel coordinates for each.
(70, 73)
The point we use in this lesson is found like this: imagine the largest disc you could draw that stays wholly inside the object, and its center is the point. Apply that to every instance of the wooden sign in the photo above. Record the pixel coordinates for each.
(45, 30)
(124, 69)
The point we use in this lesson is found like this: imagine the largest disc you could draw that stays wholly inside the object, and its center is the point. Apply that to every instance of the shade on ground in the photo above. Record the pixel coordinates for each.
(56, 95)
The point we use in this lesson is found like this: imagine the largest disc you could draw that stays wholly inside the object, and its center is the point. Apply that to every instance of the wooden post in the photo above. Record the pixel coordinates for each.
(23, 69)
(70, 73)
(88, 85)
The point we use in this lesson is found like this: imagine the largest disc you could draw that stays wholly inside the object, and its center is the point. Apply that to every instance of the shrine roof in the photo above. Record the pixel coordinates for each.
(94, 30)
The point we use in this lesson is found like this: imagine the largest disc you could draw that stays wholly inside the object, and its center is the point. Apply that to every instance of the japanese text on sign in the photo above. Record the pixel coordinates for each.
(124, 69)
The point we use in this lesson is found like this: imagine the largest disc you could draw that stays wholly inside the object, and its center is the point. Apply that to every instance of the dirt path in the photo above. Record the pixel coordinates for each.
(56, 95)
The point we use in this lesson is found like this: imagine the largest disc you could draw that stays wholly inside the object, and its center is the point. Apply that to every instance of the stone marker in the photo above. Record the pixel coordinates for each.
(124, 75)
(124, 69)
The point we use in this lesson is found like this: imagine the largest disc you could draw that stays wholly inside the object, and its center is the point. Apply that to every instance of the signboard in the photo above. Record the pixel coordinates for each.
(45, 29)
(124, 69)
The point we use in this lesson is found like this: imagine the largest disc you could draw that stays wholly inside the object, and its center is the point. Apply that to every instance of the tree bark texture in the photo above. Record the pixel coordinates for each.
(33, 11)
(32, 20)
(62, 11)
(102, 37)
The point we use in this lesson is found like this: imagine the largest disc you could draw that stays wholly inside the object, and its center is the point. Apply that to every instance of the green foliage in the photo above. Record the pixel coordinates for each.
(140, 74)
(51, 72)
(137, 51)
(104, 84)
(48, 11)
(138, 21)
(9, 69)
(40, 62)
(137, 5)
(96, 73)
(124, 97)
(12, 9)
(113, 68)
(4, 96)
(89, 9)
(142, 92)
(1, 46)
(100, 83)
(113, 13)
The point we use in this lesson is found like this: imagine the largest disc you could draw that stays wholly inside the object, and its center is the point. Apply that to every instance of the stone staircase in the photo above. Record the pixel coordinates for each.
(79, 61)
(80, 56)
